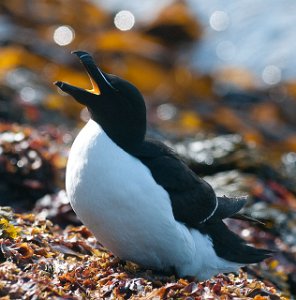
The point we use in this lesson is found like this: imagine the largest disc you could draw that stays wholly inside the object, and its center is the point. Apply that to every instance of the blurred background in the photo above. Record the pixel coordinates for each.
(202, 66)
(219, 80)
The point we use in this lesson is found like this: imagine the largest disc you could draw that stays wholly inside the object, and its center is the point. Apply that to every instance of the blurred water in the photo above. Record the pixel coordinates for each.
(260, 34)
(257, 35)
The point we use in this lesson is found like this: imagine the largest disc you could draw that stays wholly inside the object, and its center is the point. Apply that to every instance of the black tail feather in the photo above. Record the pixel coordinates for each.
(247, 218)
(227, 207)
(231, 247)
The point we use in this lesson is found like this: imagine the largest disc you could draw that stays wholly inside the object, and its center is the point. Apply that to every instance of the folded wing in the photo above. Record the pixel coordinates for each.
(194, 203)
(193, 199)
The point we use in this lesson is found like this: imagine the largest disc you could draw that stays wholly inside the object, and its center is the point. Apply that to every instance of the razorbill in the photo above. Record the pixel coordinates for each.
(139, 199)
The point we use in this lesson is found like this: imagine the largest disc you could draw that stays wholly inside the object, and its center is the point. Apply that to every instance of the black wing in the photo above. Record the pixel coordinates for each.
(193, 199)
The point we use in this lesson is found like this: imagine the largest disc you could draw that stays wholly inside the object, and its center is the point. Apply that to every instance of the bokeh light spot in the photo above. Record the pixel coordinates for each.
(289, 158)
(219, 20)
(225, 50)
(272, 74)
(63, 35)
(124, 20)
(28, 94)
(84, 115)
(166, 111)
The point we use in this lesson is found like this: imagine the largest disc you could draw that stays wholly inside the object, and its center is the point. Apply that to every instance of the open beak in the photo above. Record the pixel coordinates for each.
(100, 84)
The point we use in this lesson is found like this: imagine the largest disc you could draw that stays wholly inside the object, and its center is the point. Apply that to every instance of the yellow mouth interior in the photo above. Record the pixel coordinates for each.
(95, 88)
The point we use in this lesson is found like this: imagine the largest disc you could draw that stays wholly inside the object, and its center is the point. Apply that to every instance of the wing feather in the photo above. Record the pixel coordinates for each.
(193, 199)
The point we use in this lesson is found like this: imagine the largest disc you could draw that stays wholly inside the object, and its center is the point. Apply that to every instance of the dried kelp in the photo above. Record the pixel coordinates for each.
(45, 262)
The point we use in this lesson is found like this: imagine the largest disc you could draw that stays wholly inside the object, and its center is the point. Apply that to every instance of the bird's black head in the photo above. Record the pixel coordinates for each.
(114, 103)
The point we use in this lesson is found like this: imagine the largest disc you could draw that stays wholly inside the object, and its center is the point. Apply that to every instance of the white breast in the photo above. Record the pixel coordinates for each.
(115, 195)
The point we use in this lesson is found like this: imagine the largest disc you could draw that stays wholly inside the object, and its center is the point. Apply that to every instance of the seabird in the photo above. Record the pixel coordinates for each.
(140, 200)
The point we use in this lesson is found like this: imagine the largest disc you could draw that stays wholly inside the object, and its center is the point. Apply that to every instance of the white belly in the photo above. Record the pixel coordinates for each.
(115, 195)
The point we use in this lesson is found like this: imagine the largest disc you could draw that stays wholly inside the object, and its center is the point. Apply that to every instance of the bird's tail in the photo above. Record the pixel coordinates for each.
(231, 247)
(229, 207)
